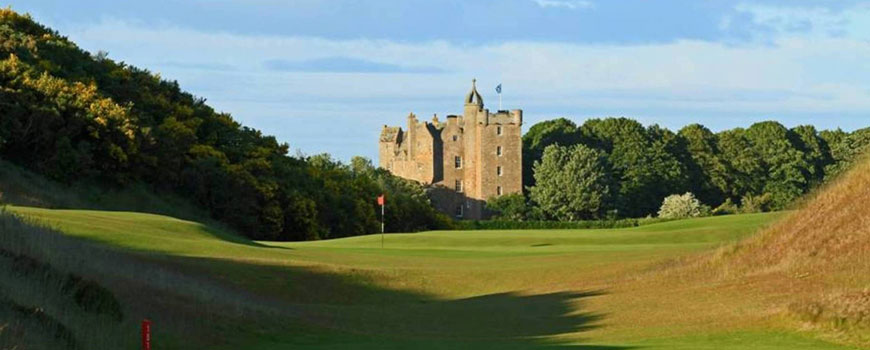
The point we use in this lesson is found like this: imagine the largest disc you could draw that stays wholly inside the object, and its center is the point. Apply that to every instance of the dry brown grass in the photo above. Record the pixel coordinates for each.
(809, 271)
(819, 257)
(830, 231)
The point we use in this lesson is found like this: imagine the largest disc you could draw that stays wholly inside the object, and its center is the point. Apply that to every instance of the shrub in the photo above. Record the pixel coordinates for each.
(681, 206)
(551, 225)
(512, 207)
(756, 204)
(727, 208)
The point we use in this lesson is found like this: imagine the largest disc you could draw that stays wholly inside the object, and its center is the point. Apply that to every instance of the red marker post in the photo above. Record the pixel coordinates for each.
(146, 334)
(382, 201)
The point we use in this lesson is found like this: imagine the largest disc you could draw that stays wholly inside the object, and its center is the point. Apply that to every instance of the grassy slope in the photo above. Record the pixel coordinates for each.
(500, 289)
(821, 256)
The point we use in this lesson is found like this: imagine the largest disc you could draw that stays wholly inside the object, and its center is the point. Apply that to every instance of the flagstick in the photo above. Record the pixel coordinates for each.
(383, 219)
(499, 101)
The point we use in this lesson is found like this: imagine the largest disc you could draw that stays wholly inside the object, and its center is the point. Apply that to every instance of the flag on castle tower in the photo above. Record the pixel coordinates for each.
(498, 91)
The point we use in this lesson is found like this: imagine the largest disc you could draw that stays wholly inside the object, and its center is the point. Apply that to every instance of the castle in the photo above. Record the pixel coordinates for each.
(465, 160)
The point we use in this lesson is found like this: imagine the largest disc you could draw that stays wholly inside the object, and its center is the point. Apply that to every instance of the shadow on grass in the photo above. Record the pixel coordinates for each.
(351, 304)
(225, 304)
(226, 236)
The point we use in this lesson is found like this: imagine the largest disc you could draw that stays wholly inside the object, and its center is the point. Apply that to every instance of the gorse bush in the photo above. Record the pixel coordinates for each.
(681, 207)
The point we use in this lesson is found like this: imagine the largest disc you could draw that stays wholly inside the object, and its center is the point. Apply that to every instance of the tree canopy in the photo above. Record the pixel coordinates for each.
(572, 183)
(648, 163)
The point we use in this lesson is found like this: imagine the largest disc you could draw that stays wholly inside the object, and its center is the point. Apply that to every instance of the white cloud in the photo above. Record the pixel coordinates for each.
(567, 4)
(853, 22)
(692, 79)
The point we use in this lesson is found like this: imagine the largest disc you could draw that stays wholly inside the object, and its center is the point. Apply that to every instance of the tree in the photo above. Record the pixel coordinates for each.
(572, 183)
(785, 166)
(681, 206)
(559, 131)
(513, 207)
(707, 172)
(845, 148)
(746, 169)
(817, 153)
(645, 165)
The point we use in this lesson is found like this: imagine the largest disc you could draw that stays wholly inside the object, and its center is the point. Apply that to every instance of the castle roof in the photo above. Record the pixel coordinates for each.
(473, 97)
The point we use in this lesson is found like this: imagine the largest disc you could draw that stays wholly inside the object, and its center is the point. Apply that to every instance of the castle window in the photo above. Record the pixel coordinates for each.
(498, 170)
(455, 137)
(458, 186)
(498, 130)
(457, 160)
(498, 190)
(460, 211)
(498, 151)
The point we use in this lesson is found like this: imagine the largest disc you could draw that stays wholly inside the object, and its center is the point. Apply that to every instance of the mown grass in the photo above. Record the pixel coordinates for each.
(589, 289)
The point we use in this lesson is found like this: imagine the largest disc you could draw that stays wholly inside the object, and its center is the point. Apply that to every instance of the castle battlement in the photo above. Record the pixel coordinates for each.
(467, 159)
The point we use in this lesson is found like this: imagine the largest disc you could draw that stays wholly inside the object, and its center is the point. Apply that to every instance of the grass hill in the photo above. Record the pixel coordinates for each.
(822, 254)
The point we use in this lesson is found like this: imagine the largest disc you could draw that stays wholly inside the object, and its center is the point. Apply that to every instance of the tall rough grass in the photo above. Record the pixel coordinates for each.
(825, 245)
(58, 291)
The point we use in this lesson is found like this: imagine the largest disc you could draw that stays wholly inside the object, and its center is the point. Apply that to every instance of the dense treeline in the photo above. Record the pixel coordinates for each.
(76, 117)
(618, 167)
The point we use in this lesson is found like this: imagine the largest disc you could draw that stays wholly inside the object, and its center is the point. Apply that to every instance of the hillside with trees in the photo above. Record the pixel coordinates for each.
(77, 117)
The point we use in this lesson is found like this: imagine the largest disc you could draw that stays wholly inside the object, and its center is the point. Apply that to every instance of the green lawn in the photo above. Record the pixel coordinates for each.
(585, 289)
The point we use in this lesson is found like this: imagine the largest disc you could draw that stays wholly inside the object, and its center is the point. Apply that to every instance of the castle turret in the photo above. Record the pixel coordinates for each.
(473, 101)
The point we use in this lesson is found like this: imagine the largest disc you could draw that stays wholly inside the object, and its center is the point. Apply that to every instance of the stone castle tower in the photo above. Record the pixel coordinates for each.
(466, 160)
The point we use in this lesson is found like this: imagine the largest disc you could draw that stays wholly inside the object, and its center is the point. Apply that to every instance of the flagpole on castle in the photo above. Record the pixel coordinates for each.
(498, 91)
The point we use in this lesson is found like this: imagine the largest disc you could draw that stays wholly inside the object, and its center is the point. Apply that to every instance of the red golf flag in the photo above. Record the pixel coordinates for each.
(381, 200)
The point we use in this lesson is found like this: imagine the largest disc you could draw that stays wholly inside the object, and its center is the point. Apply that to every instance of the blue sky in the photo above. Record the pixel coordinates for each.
(326, 75)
